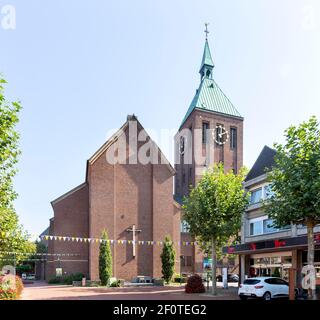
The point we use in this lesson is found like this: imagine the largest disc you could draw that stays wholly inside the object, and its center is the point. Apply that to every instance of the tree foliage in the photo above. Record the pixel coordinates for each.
(295, 178)
(214, 208)
(12, 235)
(295, 181)
(105, 260)
(168, 256)
(9, 149)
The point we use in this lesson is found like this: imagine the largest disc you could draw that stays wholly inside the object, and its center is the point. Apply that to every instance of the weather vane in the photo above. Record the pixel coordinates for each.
(206, 31)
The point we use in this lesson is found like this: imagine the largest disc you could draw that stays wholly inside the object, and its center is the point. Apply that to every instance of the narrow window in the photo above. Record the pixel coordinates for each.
(181, 145)
(233, 138)
(205, 132)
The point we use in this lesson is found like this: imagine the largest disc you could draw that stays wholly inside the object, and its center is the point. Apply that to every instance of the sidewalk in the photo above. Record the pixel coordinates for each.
(42, 291)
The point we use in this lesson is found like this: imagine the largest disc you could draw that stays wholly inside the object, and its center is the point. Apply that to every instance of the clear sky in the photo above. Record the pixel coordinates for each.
(79, 67)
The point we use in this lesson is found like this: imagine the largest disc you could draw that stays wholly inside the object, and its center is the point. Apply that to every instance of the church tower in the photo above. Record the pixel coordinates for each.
(210, 132)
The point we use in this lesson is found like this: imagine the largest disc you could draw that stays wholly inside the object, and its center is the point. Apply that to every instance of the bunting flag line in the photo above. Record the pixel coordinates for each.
(12, 259)
(39, 254)
(119, 242)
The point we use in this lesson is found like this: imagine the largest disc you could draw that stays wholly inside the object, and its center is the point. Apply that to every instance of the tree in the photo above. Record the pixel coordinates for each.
(9, 150)
(12, 235)
(295, 181)
(214, 208)
(168, 256)
(105, 260)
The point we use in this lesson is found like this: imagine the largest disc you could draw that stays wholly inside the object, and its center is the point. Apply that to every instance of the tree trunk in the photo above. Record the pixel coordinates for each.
(310, 226)
(214, 267)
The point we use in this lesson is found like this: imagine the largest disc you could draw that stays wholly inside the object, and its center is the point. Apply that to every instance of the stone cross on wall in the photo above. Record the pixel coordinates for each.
(134, 231)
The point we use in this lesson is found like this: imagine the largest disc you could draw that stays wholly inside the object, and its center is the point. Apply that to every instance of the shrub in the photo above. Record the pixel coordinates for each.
(194, 285)
(72, 277)
(11, 287)
(68, 279)
(55, 280)
(23, 268)
(115, 284)
(168, 258)
(179, 279)
(19, 287)
(105, 260)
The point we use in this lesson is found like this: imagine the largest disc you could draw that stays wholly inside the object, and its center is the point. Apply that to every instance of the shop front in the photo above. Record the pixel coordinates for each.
(274, 264)
(275, 257)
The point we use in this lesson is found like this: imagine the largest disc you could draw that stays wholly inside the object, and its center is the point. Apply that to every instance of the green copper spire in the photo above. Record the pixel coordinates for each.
(206, 58)
(209, 97)
(207, 63)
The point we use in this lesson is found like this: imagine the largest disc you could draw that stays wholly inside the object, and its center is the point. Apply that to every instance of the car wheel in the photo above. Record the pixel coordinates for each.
(267, 296)
(243, 298)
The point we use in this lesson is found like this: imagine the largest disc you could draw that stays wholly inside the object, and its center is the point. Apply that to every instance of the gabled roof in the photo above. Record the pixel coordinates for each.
(264, 162)
(67, 194)
(209, 97)
(114, 138)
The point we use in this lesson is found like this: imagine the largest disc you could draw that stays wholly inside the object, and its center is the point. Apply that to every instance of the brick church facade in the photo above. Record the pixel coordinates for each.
(122, 196)
(116, 197)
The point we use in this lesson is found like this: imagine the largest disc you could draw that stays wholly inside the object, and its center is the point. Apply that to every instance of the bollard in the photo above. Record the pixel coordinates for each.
(83, 282)
(292, 282)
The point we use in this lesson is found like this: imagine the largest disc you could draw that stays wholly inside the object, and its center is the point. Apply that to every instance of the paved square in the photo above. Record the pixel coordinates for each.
(43, 291)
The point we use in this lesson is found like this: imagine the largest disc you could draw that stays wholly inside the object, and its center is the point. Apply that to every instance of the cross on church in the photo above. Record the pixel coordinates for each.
(134, 231)
(206, 31)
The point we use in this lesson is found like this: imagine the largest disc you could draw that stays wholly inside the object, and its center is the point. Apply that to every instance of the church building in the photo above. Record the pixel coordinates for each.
(135, 202)
(210, 132)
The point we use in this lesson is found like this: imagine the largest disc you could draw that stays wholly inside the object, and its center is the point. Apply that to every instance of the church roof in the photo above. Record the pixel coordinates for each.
(210, 97)
(115, 136)
(264, 162)
(67, 194)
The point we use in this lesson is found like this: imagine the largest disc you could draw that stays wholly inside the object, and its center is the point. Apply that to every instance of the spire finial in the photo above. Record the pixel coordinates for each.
(206, 31)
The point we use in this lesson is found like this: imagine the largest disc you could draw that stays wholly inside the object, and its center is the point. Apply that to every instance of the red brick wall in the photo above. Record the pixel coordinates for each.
(123, 195)
(50, 267)
(70, 219)
(101, 216)
(115, 198)
(232, 160)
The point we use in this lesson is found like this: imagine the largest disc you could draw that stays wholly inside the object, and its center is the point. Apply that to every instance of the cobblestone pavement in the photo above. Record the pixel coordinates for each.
(42, 291)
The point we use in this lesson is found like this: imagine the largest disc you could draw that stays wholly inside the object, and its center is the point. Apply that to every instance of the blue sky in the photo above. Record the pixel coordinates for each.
(79, 67)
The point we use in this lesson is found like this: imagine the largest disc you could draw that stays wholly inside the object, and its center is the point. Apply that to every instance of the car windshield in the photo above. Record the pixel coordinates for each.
(251, 281)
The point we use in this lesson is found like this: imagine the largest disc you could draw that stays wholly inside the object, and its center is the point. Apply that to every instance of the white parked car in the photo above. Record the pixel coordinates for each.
(263, 287)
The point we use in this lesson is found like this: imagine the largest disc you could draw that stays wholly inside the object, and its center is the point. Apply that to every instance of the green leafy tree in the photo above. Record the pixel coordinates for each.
(12, 235)
(168, 256)
(105, 260)
(214, 208)
(295, 181)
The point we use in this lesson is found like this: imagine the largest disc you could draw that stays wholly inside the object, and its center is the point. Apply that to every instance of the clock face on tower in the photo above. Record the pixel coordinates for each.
(221, 135)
